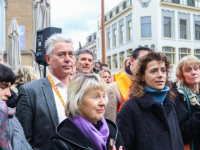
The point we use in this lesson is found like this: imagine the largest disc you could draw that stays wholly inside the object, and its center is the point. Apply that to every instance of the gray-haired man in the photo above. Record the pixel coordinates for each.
(41, 103)
(84, 61)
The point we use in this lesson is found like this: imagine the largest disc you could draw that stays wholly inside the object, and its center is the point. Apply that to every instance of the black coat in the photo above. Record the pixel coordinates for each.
(69, 137)
(146, 125)
(12, 100)
(190, 127)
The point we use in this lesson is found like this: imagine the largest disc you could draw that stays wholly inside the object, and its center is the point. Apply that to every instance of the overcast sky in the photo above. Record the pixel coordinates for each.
(77, 18)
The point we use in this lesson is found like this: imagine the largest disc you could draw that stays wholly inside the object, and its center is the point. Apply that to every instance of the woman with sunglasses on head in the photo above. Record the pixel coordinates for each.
(147, 121)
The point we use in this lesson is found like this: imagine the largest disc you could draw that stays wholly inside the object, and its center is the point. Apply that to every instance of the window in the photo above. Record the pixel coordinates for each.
(117, 10)
(111, 14)
(108, 46)
(129, 53)
(108, 17)
(184, 52)
(167, 0)
(114, 13)
(124, 4)
(115, 61)
(94, 37)
(122, 34)
(146, 27)
(128, 2)
(170, 53)
(130, 36)
(167, 27)
(115, 37)
(197, 53)
(121, 57)
(183, 29)
(109, 62)
(153, 47)
(183, 2)
(121, 8)
(197, 30)
(197, 3)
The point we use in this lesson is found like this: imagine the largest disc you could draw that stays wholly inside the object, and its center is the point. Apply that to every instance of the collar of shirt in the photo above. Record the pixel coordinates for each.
(57, 82)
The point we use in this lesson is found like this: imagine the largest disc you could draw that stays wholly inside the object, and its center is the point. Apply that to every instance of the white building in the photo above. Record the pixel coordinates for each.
(170, 26)
(91, 44)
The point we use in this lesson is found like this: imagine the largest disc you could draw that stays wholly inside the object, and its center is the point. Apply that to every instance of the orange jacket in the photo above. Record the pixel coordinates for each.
(123, 83)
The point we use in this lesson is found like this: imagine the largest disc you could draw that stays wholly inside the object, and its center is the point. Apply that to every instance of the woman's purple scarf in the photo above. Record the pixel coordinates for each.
(4, 140)
(98, 138)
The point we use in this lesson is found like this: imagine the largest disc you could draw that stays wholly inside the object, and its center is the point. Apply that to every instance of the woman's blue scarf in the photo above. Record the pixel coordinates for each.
(157, 95)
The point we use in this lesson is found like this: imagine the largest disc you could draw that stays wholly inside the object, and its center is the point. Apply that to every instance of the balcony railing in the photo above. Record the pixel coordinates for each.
(192, 3)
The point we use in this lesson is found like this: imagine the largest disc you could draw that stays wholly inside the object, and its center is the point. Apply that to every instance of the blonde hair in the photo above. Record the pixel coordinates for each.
(102, 72)
(25, 74)
(79, 85)
(123, 67)
(185, 62)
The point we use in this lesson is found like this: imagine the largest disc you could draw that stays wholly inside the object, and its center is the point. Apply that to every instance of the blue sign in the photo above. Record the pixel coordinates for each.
(22, 37)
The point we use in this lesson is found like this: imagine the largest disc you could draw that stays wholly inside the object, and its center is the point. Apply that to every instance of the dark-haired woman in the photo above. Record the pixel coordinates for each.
(147, 121)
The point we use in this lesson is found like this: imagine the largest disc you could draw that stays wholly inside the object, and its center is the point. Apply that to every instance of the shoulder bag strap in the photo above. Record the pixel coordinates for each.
(190, 115)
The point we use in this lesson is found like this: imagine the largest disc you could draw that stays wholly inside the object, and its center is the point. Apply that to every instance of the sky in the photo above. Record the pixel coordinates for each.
(77, 18)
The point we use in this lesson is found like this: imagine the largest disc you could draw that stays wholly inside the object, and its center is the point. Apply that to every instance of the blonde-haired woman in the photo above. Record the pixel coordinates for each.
(188, 100)
(105, 75)
(85, 127)
(125, 64)
(24, 74)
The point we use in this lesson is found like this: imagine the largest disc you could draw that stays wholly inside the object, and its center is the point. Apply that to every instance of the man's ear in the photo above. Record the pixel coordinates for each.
(132, 61)
(47, 56)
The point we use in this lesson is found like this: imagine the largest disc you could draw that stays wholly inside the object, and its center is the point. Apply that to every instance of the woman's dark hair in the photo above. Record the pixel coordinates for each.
(6, 74)
(137, 87)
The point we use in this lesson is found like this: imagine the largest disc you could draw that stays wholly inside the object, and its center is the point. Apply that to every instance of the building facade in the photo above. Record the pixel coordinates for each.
(22, 10)
(168, 26)
(91, 44)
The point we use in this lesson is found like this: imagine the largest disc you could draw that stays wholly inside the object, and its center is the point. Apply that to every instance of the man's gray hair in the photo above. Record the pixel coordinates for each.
(83, 51)
(49, 44)
(78, 86)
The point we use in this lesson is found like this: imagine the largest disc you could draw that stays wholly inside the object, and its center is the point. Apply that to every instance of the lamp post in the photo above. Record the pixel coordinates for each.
(103, 32)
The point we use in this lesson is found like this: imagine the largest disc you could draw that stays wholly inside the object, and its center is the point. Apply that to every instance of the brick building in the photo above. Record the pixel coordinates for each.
(22, 10)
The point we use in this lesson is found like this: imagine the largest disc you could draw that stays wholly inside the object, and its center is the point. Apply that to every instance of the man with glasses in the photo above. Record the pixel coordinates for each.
(118, 91)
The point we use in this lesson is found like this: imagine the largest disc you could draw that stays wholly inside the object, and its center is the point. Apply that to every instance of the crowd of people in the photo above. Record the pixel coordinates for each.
(78, 106)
